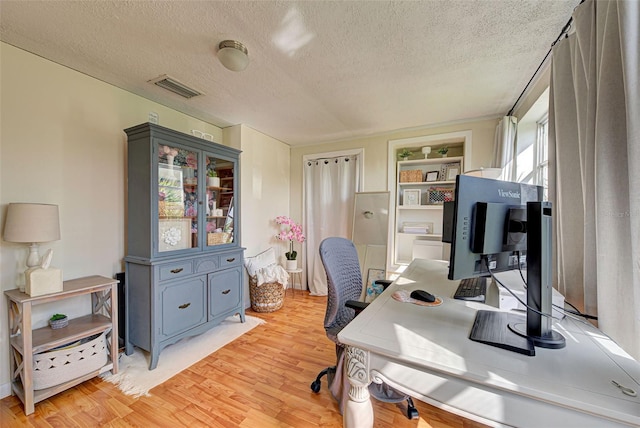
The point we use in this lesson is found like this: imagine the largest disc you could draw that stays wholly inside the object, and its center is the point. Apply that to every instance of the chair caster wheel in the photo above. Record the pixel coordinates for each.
(412, 413)
(315, 386)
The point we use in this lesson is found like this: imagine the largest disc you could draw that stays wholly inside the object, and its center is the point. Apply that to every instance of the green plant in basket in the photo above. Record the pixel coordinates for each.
(57, 317)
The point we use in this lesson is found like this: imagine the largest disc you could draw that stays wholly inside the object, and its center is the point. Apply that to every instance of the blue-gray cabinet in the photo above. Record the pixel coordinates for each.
(184, 264)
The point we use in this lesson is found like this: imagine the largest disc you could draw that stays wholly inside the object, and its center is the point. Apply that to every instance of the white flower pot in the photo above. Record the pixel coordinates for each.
(291, 265)
(213, 181)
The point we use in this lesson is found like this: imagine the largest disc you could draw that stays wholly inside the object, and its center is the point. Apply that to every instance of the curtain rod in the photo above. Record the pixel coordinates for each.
(564, 32)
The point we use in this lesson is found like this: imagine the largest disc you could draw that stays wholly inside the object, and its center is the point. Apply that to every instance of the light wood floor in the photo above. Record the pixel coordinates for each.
(260, 380)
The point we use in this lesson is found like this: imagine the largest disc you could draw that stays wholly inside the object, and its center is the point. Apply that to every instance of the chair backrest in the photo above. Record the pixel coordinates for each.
(344, 281)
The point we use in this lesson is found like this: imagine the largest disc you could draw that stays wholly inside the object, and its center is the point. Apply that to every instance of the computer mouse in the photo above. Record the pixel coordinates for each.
(422, 295)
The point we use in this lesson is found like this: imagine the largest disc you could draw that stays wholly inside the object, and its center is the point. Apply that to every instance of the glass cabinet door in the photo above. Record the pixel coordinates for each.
(219, 200)
(177, 198)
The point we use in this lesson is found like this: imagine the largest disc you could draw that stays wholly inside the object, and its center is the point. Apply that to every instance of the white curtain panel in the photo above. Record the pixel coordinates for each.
(504, 147)
(330, 188)
(594, 148)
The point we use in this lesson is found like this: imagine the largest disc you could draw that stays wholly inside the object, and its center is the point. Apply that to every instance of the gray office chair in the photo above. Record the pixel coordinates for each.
(344, 281)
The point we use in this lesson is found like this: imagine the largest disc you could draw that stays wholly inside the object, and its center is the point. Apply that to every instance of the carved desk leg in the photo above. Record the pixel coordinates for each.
(358, 410)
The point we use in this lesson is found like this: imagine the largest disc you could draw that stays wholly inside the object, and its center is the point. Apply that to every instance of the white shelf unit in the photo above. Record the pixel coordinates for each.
(427, 208)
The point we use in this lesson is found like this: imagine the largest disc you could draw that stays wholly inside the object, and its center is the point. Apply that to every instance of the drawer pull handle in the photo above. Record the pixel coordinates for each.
(177, 270)
(184, 306)
(231, 259)
(226, 291)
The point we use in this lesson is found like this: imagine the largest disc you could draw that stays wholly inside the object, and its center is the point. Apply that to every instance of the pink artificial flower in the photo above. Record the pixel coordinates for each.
(192, 161)
(289, 231)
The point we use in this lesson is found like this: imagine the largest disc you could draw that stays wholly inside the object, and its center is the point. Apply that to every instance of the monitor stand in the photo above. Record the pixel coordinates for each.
(492, 328)
(516, 333)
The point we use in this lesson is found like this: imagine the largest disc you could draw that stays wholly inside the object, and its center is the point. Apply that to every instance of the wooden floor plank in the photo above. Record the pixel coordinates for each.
(261, 380)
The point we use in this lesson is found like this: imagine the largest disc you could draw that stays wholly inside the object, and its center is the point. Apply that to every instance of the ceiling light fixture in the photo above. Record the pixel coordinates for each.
(233, 55)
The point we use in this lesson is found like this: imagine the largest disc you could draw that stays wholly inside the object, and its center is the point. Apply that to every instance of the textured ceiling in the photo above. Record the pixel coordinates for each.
(320, 71)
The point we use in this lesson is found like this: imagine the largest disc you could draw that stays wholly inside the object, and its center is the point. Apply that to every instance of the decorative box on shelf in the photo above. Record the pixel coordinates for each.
(215, 238)
(170, 209)
(440, 195)
(411, 176)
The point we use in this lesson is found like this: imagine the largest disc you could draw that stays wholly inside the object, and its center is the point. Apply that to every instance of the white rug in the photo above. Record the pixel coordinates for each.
(135, 378)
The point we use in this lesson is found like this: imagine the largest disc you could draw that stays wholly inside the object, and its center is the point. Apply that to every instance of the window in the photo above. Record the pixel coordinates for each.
(541, 148)
(532, 148)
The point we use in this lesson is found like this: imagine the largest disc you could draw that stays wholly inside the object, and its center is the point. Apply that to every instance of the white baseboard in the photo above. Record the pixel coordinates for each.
(5, 390)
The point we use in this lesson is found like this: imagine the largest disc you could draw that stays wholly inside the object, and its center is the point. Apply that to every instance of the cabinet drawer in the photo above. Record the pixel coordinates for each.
(206, 264)
(175, 270)
(184, 306)
(224, 291)
(230, 259)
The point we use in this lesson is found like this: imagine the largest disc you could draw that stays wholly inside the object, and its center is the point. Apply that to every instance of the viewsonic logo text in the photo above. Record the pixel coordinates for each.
(508, 193)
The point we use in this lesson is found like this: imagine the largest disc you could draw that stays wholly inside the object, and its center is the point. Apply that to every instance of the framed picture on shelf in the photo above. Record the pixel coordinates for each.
(452, 170)
(432, 176)
(411, 197)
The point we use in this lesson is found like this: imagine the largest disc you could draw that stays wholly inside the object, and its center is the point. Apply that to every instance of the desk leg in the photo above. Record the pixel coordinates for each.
(358, 410)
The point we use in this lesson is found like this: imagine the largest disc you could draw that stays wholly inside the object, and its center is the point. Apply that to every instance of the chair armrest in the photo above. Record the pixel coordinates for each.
(384, 282)
(357, 305)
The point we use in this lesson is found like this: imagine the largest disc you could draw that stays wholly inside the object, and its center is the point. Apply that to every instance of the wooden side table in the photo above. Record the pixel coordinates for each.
(25, 342)
(293, 274)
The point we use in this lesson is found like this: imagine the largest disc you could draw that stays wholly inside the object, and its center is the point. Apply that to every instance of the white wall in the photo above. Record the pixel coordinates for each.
(264, 184)
(62, 142)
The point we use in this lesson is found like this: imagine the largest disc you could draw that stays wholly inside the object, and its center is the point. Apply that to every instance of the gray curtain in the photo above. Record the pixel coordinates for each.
(504, 147)
(594, 147)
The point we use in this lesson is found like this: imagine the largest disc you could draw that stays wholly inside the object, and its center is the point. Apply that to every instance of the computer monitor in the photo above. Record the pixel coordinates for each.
(494, 226)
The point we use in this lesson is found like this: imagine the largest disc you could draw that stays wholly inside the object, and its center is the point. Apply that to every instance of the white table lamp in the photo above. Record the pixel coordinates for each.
(32, 224)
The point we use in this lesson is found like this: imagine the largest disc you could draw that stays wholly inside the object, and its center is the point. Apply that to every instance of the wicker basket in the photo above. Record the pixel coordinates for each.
(56, 367)
(267, 297)
(215, 238)
(411, 176)
(170, 209)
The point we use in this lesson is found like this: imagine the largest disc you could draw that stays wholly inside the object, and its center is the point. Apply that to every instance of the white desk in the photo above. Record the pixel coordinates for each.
(425, 352)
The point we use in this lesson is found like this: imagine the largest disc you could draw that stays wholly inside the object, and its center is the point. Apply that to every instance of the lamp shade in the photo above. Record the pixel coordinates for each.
(233, 55)
(32, 223)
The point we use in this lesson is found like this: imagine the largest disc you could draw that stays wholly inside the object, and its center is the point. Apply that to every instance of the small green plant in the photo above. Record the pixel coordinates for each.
(212, 173)
(443, 150)
(57, 317)
(405, 153)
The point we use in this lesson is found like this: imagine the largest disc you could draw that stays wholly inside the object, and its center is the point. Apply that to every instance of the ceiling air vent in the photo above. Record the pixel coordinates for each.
(171, 84)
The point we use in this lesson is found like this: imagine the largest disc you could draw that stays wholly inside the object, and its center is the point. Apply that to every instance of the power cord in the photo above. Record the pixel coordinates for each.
(576, 311)
(486, 262)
